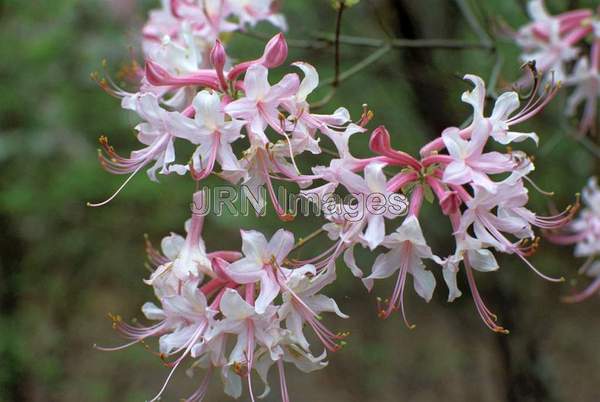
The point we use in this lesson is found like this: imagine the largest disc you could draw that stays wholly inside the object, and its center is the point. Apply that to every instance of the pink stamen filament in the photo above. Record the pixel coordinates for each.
(282, 382)
(488, 317)
(200, 393)
(512, 247)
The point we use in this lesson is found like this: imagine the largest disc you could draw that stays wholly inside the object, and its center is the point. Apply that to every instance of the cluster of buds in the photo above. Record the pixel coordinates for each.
(584, 233)
(242, 312)
(558, 44)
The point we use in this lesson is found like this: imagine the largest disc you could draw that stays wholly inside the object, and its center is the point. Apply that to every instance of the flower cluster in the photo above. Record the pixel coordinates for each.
(482, 193)
(213, 109)
(556, 43)
(234, 312)
(584, 233)
(242, 312)
(181, 34)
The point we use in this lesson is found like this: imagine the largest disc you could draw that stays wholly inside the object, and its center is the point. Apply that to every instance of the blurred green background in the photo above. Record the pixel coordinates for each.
(64, 266)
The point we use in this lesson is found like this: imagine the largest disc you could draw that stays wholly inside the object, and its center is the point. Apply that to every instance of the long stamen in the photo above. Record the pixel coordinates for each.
(136, 334)
(284, 216)
(514, 248)
(535, 107)
(537, 188)
(488, 317)
(282, 383)
(100, 204)
(200, 393)
(397, 300)
(107, 84)
(176, 364)
(116, 348)
(155, 257)
(112, 197)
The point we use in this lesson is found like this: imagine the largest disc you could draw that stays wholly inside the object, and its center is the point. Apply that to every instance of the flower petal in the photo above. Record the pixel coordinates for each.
(234, 307)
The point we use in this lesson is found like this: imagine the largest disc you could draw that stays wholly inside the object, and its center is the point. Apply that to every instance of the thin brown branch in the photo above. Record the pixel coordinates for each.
(398, 43)
(361, 65)
(337, 55)
(322, 40)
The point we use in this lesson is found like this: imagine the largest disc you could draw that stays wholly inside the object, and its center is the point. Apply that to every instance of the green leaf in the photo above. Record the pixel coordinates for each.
(428, 193)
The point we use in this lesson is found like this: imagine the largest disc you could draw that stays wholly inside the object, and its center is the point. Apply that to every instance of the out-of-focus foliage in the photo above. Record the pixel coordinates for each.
(64, 266)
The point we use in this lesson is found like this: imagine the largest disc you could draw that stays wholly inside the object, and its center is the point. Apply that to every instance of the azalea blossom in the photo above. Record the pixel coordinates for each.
(554, 43)
(260, 262)
(408, 249)
(586, 80)
(213, 135)
(204, 20)
(469, 163)
(209, 314)
(550, 40)
(584, 233)
(259, 108)
(215, 108)
(238, 313)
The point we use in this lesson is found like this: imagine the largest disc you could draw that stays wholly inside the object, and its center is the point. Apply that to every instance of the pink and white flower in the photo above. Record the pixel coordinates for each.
(550, 40)
(259, 106)
(469, 163)
(586, 80)
(408, 249)
(213, 135)
(584, 233)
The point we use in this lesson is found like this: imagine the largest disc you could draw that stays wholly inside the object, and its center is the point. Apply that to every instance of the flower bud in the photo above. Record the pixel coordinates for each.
(155, 74)
(450, 202)
(380, 141)
(276, 52)
(218, 56)
(158, 76)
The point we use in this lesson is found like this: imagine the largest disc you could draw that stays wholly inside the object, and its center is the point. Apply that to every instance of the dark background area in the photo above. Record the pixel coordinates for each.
(64, 266)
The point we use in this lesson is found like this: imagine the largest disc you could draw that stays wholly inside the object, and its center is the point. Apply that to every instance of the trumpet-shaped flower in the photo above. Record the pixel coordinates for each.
(259, 107)
(408, 249)
(213, 135)
(469, 163)
(260, 262)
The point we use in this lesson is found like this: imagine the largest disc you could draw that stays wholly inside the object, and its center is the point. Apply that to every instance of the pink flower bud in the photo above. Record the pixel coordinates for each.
(380, 141)
(218, 56)
(155, 74)
(276, 52)
(158, 76)
(450, 202)
(380, 144)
